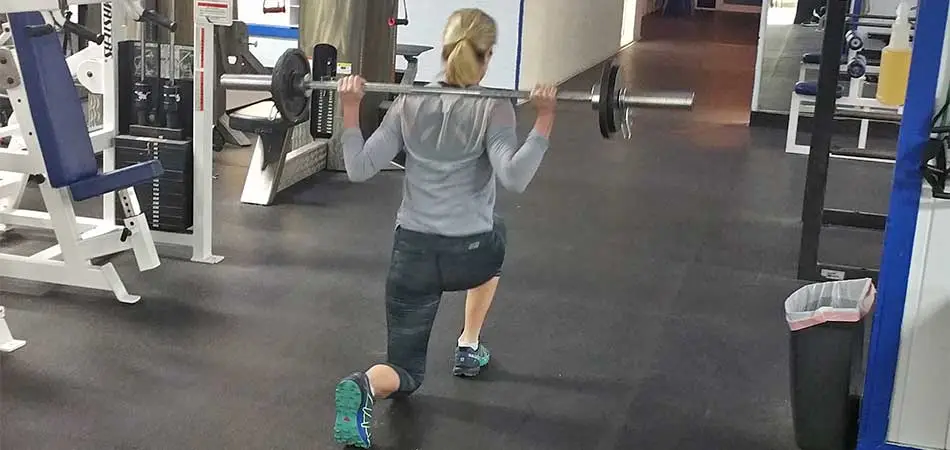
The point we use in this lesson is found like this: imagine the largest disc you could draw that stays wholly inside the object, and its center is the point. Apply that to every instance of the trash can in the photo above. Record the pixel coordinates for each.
(827, 323)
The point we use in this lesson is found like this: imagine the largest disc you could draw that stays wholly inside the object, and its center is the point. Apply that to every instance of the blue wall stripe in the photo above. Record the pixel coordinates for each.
(901, 225)
(518, 53)
(273, 31)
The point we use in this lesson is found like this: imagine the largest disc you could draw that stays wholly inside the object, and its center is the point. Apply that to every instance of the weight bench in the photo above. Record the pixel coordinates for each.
(275, 163)
(804, 92)
(812, 61)
(803, 95)
(60, 155)
(411, 54)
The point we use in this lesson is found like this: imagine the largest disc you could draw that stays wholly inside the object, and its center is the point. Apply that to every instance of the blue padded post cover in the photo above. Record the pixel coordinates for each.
(54, 103)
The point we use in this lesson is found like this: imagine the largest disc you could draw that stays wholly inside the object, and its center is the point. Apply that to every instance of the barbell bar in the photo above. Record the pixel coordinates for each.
(291, 85)
(663, 100)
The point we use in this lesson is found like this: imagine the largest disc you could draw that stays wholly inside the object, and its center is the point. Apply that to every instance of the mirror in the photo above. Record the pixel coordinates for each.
(789, 30)
(792, 28)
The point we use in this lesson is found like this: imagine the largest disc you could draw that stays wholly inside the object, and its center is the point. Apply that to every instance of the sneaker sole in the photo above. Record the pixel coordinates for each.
(349, 401)
(466, 372)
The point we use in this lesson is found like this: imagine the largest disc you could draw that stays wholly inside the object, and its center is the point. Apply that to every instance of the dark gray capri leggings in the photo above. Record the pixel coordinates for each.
(423, 267)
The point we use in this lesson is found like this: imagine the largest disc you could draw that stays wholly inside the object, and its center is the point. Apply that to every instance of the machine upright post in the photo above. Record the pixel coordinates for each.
(203, 124)
(111, 16)
(816, 179)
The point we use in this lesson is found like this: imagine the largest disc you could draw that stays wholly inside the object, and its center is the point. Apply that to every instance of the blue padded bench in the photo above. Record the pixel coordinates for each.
(58, 117)
(810, 88)
(815, 58)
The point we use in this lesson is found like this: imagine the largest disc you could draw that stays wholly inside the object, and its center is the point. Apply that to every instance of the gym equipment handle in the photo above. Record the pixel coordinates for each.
(665, 100)
(39, 30)
(151, 16)
(83, 32)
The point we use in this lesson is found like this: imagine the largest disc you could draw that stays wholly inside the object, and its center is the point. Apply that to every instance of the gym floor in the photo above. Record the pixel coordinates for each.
(641, 306)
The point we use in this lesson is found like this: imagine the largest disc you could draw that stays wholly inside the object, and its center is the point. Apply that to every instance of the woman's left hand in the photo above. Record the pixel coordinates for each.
(351, 88)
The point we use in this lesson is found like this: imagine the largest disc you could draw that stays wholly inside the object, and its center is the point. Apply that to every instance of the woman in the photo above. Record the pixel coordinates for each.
(447, 237)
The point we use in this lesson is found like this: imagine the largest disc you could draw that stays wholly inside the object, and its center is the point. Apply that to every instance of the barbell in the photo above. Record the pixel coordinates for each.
(290, 86)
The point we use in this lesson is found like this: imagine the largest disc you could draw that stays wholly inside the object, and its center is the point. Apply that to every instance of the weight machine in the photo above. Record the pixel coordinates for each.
(197, 237)
(50, 143)
(83, 239)
(102, 77)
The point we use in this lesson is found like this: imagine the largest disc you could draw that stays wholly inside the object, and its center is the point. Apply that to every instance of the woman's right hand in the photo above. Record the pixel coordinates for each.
(544, 98)
(350, 89)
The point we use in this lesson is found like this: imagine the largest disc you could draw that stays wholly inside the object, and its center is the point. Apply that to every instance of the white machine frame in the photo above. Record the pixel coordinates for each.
(303, 157)
(200, 240)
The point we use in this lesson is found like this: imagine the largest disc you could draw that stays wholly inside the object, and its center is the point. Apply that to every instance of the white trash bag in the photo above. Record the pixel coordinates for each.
(833, 301)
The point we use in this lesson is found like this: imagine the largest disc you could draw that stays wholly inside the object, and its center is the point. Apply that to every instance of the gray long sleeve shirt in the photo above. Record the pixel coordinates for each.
(456, 147)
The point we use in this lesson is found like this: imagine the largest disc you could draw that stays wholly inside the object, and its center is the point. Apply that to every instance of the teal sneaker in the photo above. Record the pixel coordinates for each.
(469, 362)
(354, 411)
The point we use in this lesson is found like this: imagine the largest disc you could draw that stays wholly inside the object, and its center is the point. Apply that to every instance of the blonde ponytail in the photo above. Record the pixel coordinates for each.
(469, 36)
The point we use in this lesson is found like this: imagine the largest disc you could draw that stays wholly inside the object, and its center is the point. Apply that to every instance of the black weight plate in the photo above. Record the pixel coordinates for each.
(612, 98)
(604, 115)
(289, 71)
(608, 80)
(618, 110)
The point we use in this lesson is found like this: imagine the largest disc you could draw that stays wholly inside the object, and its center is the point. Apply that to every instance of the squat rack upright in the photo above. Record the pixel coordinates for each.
(814, 214)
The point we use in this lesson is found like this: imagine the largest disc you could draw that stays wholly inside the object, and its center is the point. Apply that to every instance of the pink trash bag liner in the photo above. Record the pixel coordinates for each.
(833, 301)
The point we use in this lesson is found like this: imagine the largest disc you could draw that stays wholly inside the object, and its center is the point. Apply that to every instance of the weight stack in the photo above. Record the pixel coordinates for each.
(168, 200)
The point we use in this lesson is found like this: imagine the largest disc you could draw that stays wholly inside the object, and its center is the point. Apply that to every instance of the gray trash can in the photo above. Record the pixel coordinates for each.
(827, 323)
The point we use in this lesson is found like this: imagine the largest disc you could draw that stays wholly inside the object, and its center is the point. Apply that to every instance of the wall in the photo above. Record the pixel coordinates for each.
(252, 11)
(630, 26)
(885, 7)
(921, 399)
(427, 20)
(539, 40)
(562, 38)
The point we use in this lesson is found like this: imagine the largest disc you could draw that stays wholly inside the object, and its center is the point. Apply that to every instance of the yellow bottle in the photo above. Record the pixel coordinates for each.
(895, 62)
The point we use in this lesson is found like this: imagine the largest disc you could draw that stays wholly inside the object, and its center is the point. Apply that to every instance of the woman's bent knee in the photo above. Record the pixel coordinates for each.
(408, 383)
